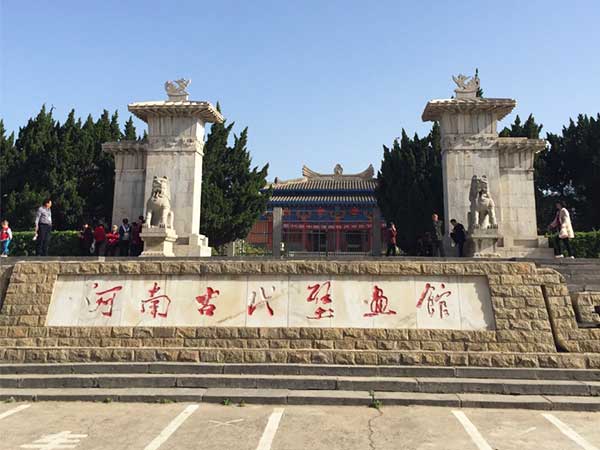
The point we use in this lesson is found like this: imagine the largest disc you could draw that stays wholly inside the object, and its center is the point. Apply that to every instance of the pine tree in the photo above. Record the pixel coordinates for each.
(232, 192)
(129, 133)
(410, 186)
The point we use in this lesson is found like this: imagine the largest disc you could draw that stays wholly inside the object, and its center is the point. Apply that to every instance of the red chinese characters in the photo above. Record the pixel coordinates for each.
(157, 305)
(263, 300)
(319, 293)
(379, 304)
(105, 300)
(206, 307)
(435, 299)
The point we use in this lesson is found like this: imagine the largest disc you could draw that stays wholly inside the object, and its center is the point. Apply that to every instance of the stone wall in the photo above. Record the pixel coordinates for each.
(586, 305)
(525, 333)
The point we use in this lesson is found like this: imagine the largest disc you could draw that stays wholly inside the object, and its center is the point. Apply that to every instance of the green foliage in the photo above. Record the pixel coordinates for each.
(375, 403)
(129, 133)
(231, 191)
(585, 244)
(410, 185)
(571, 167)
(63, 161)
(62, 243)
(568, 169)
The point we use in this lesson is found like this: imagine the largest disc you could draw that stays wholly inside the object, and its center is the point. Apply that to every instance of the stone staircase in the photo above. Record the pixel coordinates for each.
(583, 281)
(580, 274)
(546, 389)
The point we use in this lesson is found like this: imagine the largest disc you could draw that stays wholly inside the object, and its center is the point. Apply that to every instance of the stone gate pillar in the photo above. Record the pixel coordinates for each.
(478, 165)
(174, 149)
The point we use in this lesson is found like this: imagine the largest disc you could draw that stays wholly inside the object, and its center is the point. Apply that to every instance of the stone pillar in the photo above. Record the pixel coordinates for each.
(130, 172)
(174, 149)
(376, 233)
(277, 231)
(471, 150)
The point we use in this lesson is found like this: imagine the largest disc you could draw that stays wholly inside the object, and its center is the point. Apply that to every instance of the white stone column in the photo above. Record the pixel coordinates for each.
(277, 231)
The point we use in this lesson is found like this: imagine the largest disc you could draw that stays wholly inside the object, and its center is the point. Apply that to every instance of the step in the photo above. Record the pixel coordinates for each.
(302, 382)
(176, 368)
(306, 397)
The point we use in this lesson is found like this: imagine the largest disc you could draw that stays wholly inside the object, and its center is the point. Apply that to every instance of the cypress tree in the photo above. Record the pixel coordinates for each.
(232, 192)
(129, 133)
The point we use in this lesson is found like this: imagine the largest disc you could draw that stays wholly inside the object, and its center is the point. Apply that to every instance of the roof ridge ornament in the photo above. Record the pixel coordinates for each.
(467, 86)
(338, 172)
(176, 89)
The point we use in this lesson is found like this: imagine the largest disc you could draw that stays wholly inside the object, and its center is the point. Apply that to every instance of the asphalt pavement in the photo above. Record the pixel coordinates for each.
(114, 426)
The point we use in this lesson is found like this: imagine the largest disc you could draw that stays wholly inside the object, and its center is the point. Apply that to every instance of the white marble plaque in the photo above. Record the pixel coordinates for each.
(435, 302)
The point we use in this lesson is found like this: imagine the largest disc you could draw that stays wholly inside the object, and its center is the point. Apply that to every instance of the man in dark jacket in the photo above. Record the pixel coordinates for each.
(459, 236)
(437, 235)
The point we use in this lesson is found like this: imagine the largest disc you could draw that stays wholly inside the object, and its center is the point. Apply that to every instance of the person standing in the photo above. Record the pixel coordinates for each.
(86, 237)
(5, 238)
(562, 222)
(43, 227)
(124, 237)
(136, 240)
(390, 238)
(459, 236)
(437, 235)
(100, 240)
(112, 242)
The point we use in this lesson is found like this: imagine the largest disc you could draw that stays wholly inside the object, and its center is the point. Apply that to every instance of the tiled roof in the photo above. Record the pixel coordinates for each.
(323, 199)
(339, 184)
(435, 108)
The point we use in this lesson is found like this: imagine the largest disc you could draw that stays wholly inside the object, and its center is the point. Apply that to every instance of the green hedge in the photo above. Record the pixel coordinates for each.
(62, 243)
(585, 244)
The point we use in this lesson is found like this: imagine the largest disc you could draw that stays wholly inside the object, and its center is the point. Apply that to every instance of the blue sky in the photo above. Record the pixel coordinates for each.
(316, 82)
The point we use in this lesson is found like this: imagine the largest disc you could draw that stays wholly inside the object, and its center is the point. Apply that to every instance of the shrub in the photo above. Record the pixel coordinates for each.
(585, 244)
(62, 243)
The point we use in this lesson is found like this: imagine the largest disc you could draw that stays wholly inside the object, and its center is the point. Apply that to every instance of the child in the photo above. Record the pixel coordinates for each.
(5, 238)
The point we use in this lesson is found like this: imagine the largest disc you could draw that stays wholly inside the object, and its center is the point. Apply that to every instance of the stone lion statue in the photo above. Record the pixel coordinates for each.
(158, 207)
(482, 214)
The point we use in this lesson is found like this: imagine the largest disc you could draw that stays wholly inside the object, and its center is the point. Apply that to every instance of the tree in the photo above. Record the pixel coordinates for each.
(409, 187)
(233, 195)
(62, 161)
(129, 133)
(570, 170)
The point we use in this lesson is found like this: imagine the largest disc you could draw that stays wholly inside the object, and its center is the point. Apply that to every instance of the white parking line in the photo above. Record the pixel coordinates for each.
(472, 431)
(10, 412)
(269, 434)
(569, 432)
(171, 428)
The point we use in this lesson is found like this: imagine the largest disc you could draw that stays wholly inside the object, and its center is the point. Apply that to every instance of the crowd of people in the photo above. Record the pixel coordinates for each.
(431, 243)
(119, 240)
(126, 240)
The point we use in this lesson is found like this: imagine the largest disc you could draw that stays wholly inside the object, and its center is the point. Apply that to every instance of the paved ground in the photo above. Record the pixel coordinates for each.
(114, 426)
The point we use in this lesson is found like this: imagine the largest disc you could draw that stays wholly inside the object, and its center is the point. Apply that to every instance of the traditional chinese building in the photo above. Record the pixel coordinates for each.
(321, 214)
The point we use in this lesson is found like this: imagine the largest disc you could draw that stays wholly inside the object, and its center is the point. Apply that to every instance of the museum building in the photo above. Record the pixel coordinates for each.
(322, 213)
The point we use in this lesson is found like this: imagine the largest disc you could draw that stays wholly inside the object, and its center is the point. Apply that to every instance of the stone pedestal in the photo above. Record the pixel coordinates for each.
(158, 242)
(483, 243)
(174, 149)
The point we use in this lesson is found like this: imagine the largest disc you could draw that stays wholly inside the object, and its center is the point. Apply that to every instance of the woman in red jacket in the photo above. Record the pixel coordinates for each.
(112, 240)
(100, 240)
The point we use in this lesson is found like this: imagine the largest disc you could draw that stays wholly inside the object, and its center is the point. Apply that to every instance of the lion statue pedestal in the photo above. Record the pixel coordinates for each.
(158, 242)
(158, 233)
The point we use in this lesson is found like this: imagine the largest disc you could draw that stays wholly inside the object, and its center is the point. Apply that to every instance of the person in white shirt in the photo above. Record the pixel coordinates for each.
(562, 223)
(43, 227)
